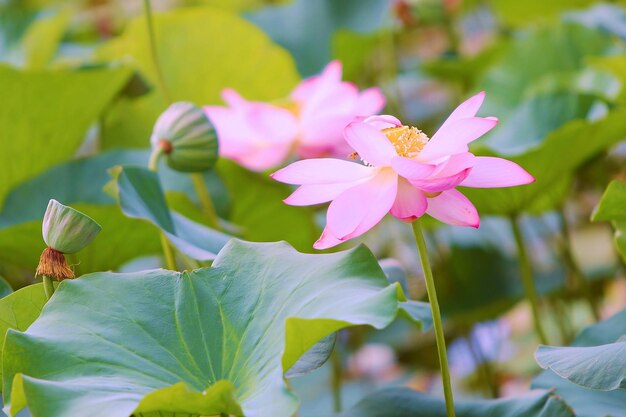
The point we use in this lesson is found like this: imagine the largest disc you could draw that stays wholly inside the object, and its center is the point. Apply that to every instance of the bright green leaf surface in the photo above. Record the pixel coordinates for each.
(47, 115)
(519, 13)
(242, 322)
(201, 51)
(141, 196)
(42, 40)
(403, 402)
(587, 402)
(19, 310)
(598, 367)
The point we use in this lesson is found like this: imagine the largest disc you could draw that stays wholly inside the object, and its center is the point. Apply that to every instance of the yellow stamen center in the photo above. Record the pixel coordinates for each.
(408, 140)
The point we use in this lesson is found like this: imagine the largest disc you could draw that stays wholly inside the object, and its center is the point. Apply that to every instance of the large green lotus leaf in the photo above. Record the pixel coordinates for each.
(199, 343)
(402, 402)
(257, 207)
(558, 157)
(141, 197)
(611, 208)
(19, 310)
(46, 114)
(591, 402)
(597, 367)
(201, 51)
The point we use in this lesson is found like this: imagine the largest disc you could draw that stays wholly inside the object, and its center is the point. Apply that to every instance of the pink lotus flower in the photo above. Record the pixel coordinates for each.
(310, 124)
(403, 173)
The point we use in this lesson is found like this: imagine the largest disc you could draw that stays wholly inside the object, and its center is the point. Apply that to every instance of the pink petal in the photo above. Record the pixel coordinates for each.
(467, 109)
(410, 202)
(383, 121)
(326, 240)
(311, 86)
(370, 101)
(454, 137)
(439, 184)
(411, 169)
(491, 172)
(307, 195)
(371, 145)
(363, 206)
(322, 171)
(454, 164)
(453, 208)
(262, 159)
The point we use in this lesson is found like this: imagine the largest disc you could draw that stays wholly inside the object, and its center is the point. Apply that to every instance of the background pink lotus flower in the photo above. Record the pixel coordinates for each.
(261, 135)
(403, 173)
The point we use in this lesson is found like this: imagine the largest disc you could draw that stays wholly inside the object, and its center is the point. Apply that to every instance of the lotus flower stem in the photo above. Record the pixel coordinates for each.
(527, 279)
(48, 286)
(336, 378)
(205, 200)
(153, 52)
(576, 272)
(437, 324)
(168, 254)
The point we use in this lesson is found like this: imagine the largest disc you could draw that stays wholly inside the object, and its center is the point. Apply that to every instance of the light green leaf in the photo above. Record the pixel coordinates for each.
(42, 40)
(45, 116)
(597, 367)
(19, 310)
(558, 157)
(611, 208)
(258, 208)
(141, 197)
(402, 402)
(223, 49)
(584, 401)
(227, 331)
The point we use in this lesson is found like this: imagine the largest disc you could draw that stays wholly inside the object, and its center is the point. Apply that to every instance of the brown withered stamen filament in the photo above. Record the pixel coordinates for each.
(52, 263)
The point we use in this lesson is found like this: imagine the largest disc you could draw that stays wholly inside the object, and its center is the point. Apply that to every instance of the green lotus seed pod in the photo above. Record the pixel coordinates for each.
(187, 138)
(67, 230)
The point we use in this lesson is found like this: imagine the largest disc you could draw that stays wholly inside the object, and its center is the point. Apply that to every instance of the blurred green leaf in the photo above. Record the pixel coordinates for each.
(305, 28)
(611, 208)
(141, 197)
(257, 207)
(402, 402)
(121, 240)
(201, 52)
(212, 339)
(47, 115)
(587, 402)
(238, 5)
(545, 52)
(42, 40)
(521, 13)
(19, 310)
(558, 157)
(616, 65)
(5, 289)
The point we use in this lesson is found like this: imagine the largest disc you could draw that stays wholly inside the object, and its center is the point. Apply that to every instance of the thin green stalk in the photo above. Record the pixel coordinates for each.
(205, 200)
(437, 324)
(153, 52)
(576, 272)
(527, 280)
(168, 254)
(336, 379)
(48, 286)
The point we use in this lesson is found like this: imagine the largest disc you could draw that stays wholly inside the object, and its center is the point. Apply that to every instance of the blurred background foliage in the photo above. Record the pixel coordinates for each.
(79, 98)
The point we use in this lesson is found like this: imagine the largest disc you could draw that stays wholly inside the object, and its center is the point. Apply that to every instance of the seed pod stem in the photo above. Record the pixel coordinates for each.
(48, 286)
